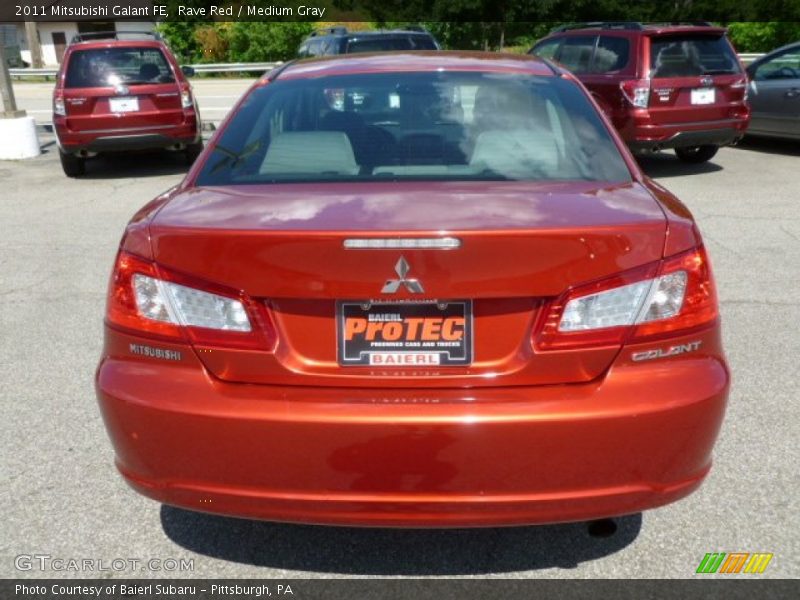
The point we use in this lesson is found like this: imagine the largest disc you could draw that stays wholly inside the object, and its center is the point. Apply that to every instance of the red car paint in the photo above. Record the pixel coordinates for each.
(542, 426)
(668, 119)
(85, 123)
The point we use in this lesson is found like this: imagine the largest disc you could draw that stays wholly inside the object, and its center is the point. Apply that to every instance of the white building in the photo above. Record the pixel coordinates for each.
(55, 36)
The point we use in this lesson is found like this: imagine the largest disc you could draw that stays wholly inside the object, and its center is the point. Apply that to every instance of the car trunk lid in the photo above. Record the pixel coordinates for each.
(520, 244)
(137, 107)
(120, 88)
(694, 78)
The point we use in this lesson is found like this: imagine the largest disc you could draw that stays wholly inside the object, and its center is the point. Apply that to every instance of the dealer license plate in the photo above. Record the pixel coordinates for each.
(704, 96)
(404, 334)
(123, 105)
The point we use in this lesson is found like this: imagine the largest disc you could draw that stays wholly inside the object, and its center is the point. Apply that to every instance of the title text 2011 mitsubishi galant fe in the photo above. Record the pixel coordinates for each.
(414, 290)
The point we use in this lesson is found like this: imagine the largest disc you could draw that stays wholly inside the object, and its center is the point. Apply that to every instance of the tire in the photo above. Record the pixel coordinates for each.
(696, 154)
(74, 166)
(192, 152)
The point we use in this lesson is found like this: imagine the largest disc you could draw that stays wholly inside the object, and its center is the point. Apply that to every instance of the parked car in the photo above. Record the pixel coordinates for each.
(338, 40)
(674, 85)
(118, 92)
(414, 290)
(775, 93)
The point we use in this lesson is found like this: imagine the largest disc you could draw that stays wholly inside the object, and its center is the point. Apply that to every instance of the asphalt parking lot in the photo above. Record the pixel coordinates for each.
(62, 496)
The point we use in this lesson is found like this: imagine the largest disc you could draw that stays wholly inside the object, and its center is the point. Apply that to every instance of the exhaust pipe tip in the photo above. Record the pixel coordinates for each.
(602, 528)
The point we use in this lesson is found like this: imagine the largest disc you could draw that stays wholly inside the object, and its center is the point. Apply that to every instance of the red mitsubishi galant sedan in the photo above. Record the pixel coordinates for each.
(414, 289)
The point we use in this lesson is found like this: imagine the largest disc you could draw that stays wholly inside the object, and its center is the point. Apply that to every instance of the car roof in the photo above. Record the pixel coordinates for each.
(377, 62)
(791, 46)
(643, 29)
(111, 43)
(368, 32)
(769, 55)
(384, 32)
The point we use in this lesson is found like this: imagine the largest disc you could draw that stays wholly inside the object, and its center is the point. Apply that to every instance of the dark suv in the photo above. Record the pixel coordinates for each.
(122, 91)
(338, 40)
(674, 85)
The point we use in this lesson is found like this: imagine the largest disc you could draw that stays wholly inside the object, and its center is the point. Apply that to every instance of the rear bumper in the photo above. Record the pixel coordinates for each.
(139, 138)
(642, 137)
(706, 137)
(414, 457)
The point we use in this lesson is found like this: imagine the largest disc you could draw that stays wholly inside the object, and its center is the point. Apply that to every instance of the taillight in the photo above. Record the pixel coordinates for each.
(699, 304)
(59, 108)
(149, 300)
(637, 91)
(744, 85)
(645, 303)
(187, 100)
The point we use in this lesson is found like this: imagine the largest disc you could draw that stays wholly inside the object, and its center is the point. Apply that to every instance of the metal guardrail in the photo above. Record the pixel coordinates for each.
(235, 67)
(28, 72)
(749, 57)
(262, 67)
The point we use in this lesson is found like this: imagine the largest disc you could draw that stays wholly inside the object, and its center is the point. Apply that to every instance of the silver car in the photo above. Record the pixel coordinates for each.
(775, 93)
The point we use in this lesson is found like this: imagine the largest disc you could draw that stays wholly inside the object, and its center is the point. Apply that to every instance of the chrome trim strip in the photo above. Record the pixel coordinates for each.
(442, 243)
(733, 121)
(127, 129)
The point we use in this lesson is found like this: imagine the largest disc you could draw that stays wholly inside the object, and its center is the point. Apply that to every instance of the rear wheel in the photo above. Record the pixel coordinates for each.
(192, 152)
(73, 165)
(696, 154)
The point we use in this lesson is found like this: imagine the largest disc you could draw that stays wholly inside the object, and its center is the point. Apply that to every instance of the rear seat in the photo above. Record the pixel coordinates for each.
(516, 152)
(310, 152)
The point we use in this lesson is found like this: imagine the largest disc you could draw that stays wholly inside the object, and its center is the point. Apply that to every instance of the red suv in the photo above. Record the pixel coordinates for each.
(117, 94)
(674, 85)
(418, 289)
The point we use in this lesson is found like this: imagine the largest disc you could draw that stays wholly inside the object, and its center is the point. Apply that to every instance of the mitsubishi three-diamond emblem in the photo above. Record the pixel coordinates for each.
(412, 285)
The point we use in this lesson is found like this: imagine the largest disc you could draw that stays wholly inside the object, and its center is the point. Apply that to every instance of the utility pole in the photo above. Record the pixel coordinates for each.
(33, 44)
(18, 137)
(9, 108)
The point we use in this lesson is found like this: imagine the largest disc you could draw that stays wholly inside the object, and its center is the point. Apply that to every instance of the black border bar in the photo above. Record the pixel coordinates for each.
(732, 588)
(387, 11)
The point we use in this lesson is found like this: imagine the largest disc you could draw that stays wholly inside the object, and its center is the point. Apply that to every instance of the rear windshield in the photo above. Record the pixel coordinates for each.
(389, 43)
(104, 67)
(442, 126)
(689, 55)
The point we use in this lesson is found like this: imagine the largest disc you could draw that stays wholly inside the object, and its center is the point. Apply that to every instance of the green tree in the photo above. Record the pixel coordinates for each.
(266, 41)
(763, 36)
(213, 40)
(180, 35)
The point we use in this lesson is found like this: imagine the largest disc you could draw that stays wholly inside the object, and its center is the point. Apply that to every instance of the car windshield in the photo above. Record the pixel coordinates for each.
(104, 67)
(690, 55)
(415, 126)
(379, 43)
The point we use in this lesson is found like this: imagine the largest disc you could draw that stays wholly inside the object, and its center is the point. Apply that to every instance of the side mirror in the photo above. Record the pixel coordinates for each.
(188, 71)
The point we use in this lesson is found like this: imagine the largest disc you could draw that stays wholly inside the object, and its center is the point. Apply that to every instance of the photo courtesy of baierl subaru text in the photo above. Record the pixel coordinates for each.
(340, 299)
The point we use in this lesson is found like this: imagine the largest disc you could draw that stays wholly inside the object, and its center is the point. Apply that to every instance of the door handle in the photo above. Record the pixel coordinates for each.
(792, 93)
